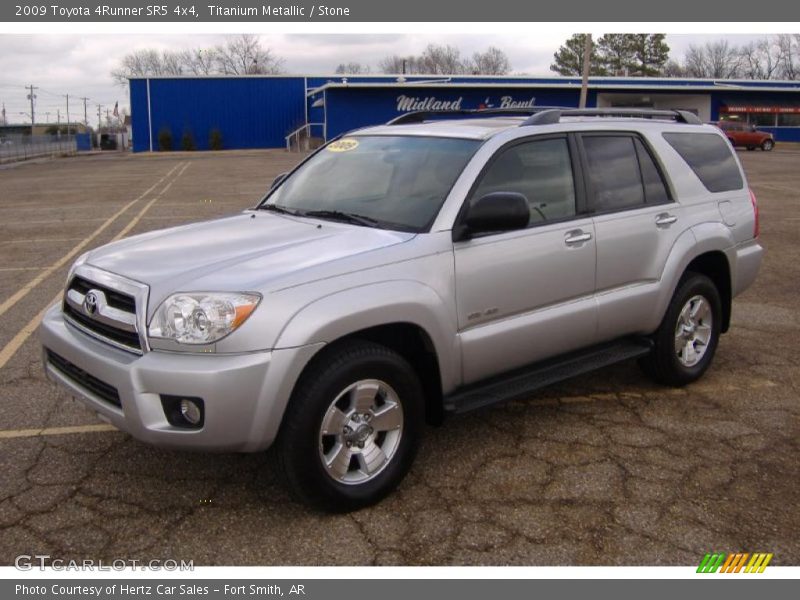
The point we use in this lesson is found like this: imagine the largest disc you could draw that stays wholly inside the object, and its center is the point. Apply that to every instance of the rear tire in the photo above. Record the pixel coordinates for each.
(686, 340)
(352, 427)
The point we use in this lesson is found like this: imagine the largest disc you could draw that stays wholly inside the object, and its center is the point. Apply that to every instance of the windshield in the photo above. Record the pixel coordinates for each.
(393, 182)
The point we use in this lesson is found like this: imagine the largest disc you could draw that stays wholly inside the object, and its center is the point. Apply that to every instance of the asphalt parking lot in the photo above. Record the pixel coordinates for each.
(607, 469)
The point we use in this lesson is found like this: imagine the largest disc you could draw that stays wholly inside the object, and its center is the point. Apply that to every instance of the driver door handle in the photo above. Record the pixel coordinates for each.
(577, 237)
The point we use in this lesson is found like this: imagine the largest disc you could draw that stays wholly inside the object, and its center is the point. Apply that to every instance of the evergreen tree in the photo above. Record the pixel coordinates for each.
(616, 53)
(569, 58)
(650, 54)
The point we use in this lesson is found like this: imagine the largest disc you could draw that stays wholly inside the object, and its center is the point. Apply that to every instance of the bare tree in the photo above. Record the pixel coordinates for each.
(446, 60)
(713, 60)
(199, 61)
(244, 55)
(790, 55)
(146, 63)
(441, 60)
(762, 59)
(493, 61)
(352, 68)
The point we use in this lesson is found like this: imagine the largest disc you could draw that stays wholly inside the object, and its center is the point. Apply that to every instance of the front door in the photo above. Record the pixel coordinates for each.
(527, 295)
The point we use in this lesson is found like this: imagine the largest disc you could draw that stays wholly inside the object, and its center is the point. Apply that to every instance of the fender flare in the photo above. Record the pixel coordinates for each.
(345, 312)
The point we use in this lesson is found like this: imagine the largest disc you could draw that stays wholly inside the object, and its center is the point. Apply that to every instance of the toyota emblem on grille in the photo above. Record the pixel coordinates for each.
(90, 303)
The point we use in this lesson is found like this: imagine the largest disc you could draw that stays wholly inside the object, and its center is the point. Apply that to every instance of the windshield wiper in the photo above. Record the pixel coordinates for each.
(346, 217)
(278, 209)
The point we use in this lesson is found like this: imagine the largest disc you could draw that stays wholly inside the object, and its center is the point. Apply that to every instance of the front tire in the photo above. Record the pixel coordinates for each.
(352, 427)
(767, 145)
(686, 340)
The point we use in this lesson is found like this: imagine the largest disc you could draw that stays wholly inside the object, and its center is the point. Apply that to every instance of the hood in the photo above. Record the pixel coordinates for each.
(245, 252)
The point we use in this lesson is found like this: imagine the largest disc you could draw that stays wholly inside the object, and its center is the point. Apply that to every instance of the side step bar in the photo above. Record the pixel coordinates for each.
(522, 382)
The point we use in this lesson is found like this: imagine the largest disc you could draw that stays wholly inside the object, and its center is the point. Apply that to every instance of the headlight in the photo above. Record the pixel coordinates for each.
(201, 318)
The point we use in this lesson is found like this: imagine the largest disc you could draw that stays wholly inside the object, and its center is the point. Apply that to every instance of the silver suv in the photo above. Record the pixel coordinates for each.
(436, 264)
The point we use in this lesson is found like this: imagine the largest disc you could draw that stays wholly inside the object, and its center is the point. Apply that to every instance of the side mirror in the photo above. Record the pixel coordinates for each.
(495, 212)
(752, 127)
(278, 180)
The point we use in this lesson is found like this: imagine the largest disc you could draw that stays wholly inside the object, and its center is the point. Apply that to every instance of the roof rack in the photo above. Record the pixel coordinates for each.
(419, 116)
(553, 115)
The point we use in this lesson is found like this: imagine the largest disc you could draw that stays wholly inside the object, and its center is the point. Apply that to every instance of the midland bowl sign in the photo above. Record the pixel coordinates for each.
(433, 103)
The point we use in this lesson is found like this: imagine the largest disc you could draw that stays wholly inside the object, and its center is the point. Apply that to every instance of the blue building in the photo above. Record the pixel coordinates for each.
(264, 111)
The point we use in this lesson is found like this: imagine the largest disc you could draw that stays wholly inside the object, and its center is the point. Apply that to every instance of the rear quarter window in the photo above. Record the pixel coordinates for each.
(710, 156)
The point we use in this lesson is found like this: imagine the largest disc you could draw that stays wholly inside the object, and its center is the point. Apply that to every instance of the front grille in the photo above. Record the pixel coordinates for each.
(89, 382)
(114, 322)
(116, 299)
(126, 338)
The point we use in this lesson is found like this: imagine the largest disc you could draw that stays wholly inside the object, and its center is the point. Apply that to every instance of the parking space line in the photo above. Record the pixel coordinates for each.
(56, 221)
(25, 290)
(3, 269)
(40, 240)
(23, 334)
(28, 433)
(147, 206)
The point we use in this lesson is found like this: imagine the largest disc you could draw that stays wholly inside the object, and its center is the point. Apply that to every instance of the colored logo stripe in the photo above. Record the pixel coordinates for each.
(733, 563)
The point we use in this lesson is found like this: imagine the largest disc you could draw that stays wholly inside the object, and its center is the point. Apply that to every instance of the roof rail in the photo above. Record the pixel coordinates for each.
(419, 116)
(549, 117)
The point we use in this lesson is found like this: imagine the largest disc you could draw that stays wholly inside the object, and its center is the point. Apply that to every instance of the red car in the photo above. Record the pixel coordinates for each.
(742, 134)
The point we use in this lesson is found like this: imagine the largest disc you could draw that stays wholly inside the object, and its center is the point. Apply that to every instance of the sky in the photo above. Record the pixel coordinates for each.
(80, 65)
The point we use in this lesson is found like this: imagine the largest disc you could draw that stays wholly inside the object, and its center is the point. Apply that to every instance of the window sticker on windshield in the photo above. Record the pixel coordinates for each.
(343, 145)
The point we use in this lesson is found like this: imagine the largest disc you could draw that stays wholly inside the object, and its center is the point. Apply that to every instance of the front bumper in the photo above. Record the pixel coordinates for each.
(244, 395)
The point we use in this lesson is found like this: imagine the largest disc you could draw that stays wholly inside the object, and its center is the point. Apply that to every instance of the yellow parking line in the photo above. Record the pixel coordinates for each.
(147, 206)
(23, 334)
(25, 290)
(27, 433)
(22, 269)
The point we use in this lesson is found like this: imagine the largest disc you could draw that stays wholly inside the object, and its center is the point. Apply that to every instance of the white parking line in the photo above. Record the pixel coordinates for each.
(56, 221)
(25, 290)
(40, 240)
(21, 269)
(28, 433)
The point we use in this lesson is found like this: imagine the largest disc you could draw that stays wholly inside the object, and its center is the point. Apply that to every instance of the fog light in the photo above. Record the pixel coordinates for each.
(191, 412)
(185, 412)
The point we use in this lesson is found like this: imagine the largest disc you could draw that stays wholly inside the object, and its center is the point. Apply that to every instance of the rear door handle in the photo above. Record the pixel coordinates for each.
(665, 220)
(577, 237)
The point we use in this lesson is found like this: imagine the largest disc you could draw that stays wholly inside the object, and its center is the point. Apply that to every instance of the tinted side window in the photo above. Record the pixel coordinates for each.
(614, 173)
(710, 157)
(655, 190)
(541, 170)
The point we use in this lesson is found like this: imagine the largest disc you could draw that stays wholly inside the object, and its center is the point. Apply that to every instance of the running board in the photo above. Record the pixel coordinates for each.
(522, 382)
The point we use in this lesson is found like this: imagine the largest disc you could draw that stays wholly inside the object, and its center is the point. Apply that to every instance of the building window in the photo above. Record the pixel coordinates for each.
(763, 119)
(789, 120)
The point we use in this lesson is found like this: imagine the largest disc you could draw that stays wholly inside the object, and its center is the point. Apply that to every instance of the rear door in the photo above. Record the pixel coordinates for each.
(636, 224)
(527, 295)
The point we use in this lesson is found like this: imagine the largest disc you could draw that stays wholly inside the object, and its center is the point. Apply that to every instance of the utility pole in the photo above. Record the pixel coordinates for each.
(108, 119)
(67, 97)
(99, 116)
(85, 114)
(4, 115)
(587, 57)
(32, 97)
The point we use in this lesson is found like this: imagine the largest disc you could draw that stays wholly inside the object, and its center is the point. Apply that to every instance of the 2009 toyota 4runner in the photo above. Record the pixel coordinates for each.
(402, 272)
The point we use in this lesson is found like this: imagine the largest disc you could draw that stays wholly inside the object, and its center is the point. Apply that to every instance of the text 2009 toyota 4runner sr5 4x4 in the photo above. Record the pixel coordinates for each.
(406, 271)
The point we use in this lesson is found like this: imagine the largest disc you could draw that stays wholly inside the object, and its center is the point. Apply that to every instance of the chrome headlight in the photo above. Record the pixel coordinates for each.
(201, 318)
